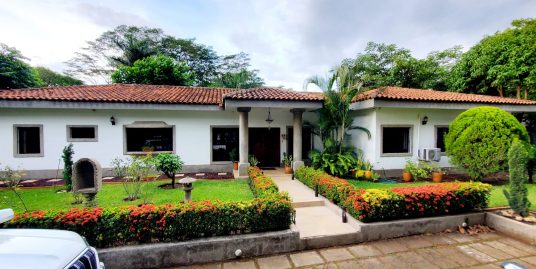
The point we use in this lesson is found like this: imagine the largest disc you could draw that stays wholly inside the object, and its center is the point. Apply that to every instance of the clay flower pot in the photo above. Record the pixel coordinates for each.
(235, 166)
(288, 169)
(406, 176)
(368, 175)
(437, 176)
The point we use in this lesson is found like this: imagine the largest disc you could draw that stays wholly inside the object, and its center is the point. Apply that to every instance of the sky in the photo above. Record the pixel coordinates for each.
(287, 40)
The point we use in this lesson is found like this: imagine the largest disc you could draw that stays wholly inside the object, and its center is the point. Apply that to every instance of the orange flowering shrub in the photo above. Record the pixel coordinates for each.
(269, 211)
(400, 202)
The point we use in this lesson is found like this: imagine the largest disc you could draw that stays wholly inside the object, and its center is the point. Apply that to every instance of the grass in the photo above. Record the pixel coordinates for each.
(496, 198)
(111, 195)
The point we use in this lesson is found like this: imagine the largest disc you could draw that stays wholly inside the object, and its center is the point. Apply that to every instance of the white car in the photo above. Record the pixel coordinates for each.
(41, 248)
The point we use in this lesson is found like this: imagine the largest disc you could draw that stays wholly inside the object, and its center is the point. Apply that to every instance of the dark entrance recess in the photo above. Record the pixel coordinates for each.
(264, 144)
(307, 141)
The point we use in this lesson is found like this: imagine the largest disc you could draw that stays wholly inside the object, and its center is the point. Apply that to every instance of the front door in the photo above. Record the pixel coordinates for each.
(264, 144)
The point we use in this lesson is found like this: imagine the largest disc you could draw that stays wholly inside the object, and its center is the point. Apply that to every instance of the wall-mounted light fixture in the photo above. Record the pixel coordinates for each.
(112, 120)
(424, 120)
(284, 136)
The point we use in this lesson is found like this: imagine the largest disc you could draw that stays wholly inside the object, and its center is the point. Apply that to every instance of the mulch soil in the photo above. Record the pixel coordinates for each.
(495, 179)
(50, 182)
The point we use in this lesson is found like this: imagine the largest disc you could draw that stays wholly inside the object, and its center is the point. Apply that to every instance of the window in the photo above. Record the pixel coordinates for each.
(81, 133)
(28, 141)
(224, 140)
(157, 137)
(396, 140)
(441, 131)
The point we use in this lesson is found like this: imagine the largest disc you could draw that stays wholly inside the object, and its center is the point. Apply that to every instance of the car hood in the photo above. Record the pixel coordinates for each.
(36, 248)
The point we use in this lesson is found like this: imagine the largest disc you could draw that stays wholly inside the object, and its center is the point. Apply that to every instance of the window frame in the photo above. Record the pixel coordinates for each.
(399, 154)
(16, 153)
(70, 139)
(148, 125)
(443, 153)
(212, 127)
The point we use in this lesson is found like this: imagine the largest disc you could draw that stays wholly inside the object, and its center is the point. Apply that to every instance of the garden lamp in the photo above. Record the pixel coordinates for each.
(187, 187)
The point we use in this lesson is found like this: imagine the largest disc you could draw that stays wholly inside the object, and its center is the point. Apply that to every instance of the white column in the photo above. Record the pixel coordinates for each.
(243, 139)
(297, 138)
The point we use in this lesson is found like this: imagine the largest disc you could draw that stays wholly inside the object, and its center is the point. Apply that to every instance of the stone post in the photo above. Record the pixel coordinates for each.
(243, 138)
(297, 138)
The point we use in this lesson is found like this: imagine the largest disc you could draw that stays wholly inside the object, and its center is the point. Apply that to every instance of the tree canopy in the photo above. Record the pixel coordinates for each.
(48, 78)
(157, 70)
(502, 64)
(124, 45)
(14, 72)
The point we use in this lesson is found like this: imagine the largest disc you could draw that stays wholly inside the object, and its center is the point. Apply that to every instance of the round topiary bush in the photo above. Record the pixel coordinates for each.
(479, 139)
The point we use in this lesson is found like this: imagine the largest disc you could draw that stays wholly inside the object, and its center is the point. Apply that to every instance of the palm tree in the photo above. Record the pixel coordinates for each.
(335, 120)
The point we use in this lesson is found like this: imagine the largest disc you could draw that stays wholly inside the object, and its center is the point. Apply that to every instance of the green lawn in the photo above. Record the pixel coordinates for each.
(113, 194)
(496, 199)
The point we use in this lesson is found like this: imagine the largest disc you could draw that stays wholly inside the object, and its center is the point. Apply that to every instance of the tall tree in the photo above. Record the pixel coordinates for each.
(157, 70)
(49, 78)
(14, 72)
(234, 71)
(501, 64)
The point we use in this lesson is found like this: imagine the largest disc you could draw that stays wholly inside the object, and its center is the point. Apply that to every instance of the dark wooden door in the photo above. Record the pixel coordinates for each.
(264, 144)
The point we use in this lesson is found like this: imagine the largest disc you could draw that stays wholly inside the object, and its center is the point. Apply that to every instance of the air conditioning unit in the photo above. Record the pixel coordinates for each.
(430, 154)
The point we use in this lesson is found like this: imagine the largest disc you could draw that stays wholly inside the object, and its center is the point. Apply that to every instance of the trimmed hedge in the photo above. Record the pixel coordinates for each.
(269, 211)
(401, 202)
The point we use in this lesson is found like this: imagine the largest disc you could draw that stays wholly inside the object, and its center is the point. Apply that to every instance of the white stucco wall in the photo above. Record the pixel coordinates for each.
(192, 132)
(423, 136)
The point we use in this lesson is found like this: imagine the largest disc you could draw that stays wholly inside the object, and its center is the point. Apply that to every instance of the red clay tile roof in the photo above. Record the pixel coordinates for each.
(122, 93)
(408, 94)
(272, 94)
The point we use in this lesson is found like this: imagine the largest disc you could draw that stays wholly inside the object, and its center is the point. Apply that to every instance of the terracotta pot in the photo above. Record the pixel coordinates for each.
(288, 169)
(235, 165)
(148, 150)
(437, 176)
(406, 176)
(368, 175)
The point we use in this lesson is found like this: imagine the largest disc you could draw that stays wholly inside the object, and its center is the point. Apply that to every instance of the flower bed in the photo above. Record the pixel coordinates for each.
(401, 202)
(269, 211)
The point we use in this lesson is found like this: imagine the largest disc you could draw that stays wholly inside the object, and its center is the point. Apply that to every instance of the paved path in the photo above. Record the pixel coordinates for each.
(453, 250)
(313, 216)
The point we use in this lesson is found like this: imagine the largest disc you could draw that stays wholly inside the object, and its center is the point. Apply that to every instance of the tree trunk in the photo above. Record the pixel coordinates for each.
(518, 92)
(500, 90)
(526, 93)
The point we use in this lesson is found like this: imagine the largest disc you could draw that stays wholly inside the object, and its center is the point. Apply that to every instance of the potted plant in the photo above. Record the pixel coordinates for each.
(406, 174)
(368, 170)
(253, 161)
(147, 149)
(287, 163)
(437, 173)
(233, 155)
(418, 171)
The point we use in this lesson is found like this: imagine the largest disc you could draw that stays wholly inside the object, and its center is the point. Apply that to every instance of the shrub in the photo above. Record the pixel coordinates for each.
(12, 179)
(148, 223)
(419, 171)
(517, 193)
(335, 163)
(169, 164)
(479, 138)
(397, 203)
(67, 157)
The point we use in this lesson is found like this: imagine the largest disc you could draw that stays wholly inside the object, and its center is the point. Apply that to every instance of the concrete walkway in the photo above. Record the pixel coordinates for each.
(318, 220)
(453, 250)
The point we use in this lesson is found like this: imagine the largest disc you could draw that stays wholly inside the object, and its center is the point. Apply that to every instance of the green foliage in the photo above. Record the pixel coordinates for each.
(479, 139)
(233, 155)
(135, 172)
(12, 179)
(49, 78)
(500, 64)
(270, 211)
(155, 70)
(397, 203)
(169, 164)
(419, 171)
(14, 72)
(67, 157)
(243, 79)
(334, 163)
(517, 194)
(287, 159)
(253, 161)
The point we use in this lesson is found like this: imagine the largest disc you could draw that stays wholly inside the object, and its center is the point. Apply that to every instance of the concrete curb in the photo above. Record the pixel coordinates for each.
(162, 255)
(524, 232)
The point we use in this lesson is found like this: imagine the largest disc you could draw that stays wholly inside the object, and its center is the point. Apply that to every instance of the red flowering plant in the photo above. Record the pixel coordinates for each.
(333, 188)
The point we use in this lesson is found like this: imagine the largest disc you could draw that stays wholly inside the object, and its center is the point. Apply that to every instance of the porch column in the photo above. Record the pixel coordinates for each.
(243, 138)
(297, 138)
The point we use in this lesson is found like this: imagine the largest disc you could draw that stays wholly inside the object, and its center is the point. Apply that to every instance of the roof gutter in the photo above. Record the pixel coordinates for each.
(373, 103)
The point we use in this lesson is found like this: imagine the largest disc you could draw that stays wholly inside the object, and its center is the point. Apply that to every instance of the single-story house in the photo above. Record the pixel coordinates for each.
(203, 125)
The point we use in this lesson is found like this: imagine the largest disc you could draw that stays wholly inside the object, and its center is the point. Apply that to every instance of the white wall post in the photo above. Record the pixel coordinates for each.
(297, 138)
(243, 138)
